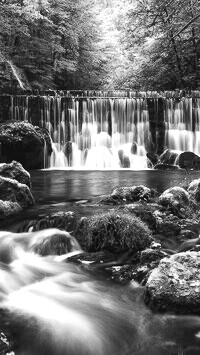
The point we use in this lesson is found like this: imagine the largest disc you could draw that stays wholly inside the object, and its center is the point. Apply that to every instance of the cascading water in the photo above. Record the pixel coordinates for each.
(99, 132)
(93, 132)
(182, 119)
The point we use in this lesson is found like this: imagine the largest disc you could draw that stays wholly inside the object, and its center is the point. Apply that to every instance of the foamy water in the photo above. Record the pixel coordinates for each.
(51, 307)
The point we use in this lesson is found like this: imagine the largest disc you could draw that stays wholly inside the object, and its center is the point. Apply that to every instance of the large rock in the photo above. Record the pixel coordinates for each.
(189, 160)
(8, 208)
(194, 190)
(174, 197)
(13, 191)
(15, 171)
(174, 286)
(23, 142)
(168, 157)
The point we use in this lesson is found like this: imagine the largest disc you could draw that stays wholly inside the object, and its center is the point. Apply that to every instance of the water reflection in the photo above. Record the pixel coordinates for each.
(54, 186)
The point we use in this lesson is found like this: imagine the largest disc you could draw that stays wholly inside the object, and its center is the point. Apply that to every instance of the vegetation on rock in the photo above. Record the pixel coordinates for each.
(115, 231)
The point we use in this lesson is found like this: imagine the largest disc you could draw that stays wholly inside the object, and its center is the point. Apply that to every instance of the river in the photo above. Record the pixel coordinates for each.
(57, 308)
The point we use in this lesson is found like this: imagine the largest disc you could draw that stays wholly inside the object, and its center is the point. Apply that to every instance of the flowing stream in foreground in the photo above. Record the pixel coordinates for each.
(51, 307)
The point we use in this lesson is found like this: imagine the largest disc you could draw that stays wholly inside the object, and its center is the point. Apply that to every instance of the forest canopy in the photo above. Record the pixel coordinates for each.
(95, 44)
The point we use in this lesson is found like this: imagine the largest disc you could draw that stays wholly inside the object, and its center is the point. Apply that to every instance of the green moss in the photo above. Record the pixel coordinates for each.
(113, 231)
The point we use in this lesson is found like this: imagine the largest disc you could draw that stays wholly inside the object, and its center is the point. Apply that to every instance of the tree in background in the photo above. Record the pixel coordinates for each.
(54, 42)
(162, 44)
(82, 44)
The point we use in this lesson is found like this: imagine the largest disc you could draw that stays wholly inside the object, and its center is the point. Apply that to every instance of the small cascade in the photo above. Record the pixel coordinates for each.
(16, 75)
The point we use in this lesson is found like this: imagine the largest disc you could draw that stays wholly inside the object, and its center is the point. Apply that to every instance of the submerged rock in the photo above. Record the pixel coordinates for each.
(15, 171)
(23, 142)
(166, 167)
(54, 242)
(98, 258)
(63, 220)
(174, 286)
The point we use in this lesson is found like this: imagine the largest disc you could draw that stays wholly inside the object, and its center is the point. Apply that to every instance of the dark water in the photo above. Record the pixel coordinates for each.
(64, 190)
(57, 309)
(59, 186)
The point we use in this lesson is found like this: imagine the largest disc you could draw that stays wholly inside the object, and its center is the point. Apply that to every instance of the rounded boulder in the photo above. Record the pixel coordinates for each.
(174, 286)
(175, 197)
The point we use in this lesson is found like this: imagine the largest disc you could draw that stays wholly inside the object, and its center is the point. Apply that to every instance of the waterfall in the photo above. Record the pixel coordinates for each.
(112, 130)
(92, 133)
(16, 75)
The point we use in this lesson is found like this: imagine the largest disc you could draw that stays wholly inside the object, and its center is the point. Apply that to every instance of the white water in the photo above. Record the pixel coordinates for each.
(56, 308)
(92, 145)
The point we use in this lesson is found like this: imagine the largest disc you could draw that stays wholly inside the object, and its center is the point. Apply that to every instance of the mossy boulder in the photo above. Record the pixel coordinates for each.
(15, 171)
(144, 211)
(174, 197)
(11, 190)
(132, 193)
(174, 286)
(115, 231)
(8, 208)
(194, 190)
(23, 142)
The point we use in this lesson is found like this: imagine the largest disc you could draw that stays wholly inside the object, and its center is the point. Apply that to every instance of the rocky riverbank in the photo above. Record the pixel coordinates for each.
(140, 231)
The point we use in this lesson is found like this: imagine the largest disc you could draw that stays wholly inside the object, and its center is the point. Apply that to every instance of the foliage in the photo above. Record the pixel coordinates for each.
(54, 42)
(118, 44)
(161, 45)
